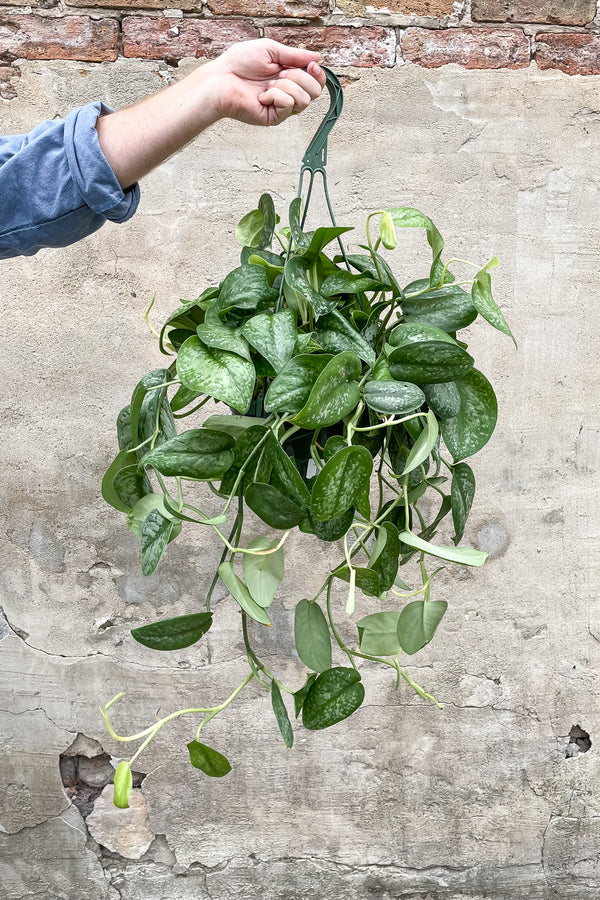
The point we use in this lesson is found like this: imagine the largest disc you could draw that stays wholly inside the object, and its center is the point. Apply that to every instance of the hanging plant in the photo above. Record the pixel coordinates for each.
(349, 405)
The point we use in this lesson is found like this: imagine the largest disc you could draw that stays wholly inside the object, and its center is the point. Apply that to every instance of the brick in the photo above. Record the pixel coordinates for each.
(185, 5)
(549, 12)
(147, 37)
(472, 48)
(342, 45)
(432, 9)
(573, 53)
(68, 37)
(305, 9)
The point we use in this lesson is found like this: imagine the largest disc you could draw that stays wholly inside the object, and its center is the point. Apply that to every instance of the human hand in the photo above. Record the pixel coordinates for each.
(263, 82)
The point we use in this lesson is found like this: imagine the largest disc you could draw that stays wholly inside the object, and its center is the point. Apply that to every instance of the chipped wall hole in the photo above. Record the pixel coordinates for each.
(579, 742)
(85, 770)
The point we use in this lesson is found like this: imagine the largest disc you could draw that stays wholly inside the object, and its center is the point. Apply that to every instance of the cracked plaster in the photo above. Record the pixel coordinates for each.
(403, 801)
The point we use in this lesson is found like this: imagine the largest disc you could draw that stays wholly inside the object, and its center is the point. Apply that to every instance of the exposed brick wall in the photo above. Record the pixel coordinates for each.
(475, 34)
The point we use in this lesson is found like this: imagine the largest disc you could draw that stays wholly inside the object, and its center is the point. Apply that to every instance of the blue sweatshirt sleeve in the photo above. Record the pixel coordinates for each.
(56, 185)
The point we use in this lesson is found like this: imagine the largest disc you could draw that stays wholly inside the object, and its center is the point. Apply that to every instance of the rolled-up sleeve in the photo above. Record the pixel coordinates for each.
(56, 186)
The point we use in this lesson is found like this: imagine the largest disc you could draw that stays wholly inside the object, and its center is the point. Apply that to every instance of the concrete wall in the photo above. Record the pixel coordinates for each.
(489, 797)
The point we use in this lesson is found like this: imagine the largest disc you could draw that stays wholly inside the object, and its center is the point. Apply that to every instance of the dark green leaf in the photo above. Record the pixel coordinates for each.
(469, 431)
(386, 563)
(462, 493)
(218, 373)
(246, 287)
(123, 485)
(343, 282)
(188, 315)
(334, 395)
(311, 634)
(221, 336)
(291, 389)
(283, 721)
(429, 362)
(295, 274)
(443, 399)
(182, 398)
(417, 623)
(209, 761)
(286, 477)
(332, 529)
(393, 397)
(417, 332)
(300, 695)
(320, 238)
(273, 507)
(367, 580)
(340, 482)
(333, 696)
(378, 633)
(273, 335)
(200, 454)
(240, 592)
(173, 634)
(156, 533)
(447, 307)
(336, 334)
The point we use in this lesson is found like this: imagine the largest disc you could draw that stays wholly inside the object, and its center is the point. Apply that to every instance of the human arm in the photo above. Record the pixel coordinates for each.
(258, 82)
(65, 178)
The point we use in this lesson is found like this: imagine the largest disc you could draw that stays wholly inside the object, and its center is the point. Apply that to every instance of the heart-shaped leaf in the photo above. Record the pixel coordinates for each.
(447, 307)
(200, 453)
(221, 336)
(245, 288)
(393, 397)
(263, 574)
(340, 482)
(273, 507)
(209, 761)
(334, 395)
(218, 373)
(290, 390)
(462, 493)
(274, 335)
(336, 334)
(311, 634)
(281, 716)
(429, 362)
(156, 534)
(240, 592)
(469, 431)
(417, 623)
(378, 633)
(173, 634)
(333, 696)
